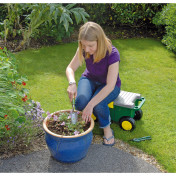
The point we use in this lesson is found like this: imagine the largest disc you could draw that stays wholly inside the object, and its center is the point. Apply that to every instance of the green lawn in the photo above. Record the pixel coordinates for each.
(146, 67)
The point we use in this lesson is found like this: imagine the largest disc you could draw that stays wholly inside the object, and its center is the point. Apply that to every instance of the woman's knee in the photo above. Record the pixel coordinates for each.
(81, 102)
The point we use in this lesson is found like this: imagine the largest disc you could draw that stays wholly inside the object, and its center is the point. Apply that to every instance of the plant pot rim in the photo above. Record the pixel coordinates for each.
(62, 136)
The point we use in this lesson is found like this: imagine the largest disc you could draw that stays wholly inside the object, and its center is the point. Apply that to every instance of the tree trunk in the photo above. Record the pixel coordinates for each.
(26, 40)
(20, 46)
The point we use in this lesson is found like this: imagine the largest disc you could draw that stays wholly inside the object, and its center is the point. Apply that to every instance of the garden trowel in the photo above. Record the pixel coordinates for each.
(74, 115)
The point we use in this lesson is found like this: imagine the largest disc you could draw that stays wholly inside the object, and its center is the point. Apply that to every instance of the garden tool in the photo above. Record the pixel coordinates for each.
(141, 139)
(74, 115)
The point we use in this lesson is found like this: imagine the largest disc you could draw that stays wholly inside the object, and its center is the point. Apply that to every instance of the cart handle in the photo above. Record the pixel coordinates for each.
(142, 99)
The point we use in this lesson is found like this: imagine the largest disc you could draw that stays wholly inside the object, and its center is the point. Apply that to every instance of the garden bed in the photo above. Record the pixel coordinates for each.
(113, 34)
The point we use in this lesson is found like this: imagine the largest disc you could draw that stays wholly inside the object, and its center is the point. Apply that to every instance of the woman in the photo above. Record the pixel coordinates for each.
(100, 83)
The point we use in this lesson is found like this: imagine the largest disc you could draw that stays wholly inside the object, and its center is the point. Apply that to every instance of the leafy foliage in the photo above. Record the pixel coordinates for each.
(126, 14)
(94, 12)
(3, 12)
(167, 17)
(19, 116)
(27, 18)
(52, 32)
(134, 15)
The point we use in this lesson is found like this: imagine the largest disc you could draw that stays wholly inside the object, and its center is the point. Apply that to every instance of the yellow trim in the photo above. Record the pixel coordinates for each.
(111, 105)
(126, 125)
(93, 117)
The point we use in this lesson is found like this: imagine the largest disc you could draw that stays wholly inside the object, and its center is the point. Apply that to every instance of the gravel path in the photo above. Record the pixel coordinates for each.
(122, 158)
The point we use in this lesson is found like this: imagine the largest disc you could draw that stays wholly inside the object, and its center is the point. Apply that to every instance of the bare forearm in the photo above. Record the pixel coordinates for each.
(72, 67)
(70, 75)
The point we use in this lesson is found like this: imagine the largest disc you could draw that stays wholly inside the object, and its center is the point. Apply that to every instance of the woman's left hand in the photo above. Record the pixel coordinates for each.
(87, 113)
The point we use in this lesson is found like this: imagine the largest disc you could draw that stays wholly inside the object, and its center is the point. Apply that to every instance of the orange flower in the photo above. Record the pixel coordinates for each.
(5, 116)
(25, 98)
(7, 127)
(13, 82)
(23, 83)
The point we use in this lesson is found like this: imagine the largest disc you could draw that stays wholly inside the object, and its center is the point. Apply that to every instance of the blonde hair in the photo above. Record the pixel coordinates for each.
(91, 31)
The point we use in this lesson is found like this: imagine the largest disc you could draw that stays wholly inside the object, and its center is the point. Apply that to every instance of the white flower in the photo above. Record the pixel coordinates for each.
(63, 123)
(76, 132)
(48, 113)
(38, 104)
(55, 117)
(28, 112)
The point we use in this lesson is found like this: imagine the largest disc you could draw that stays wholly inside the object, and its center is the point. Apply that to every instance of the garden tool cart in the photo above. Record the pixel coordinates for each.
(126, 108)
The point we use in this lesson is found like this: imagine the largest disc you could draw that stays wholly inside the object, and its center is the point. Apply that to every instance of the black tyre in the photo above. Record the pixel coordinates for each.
(138, 114)
(127, 123)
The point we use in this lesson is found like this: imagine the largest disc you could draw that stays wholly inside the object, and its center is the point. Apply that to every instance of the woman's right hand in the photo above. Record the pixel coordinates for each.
(72, 91)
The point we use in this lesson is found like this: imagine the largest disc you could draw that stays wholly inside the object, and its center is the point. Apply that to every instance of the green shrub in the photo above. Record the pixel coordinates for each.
(134, 15)
(127, 15)
(54, 32)
(167, 17)
(99, 13)
(25, 19)
(20, 117)
(3, 12)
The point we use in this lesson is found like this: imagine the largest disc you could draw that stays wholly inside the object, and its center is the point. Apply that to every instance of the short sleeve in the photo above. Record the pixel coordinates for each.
(114, 56)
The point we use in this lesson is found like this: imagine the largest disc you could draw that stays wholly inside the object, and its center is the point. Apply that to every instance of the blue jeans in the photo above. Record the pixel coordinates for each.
(87, 89)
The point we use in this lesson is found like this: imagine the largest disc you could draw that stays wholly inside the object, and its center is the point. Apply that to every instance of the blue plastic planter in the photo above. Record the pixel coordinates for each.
(68, 149)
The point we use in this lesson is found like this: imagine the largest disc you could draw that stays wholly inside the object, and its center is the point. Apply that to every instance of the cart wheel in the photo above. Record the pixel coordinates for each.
(127, 123)
(138, 114)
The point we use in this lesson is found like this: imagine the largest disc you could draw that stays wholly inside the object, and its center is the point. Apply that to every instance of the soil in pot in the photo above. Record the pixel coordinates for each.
(60, 123)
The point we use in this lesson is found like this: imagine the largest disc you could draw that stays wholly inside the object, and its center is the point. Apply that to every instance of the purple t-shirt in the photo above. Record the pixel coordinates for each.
(98, 71)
